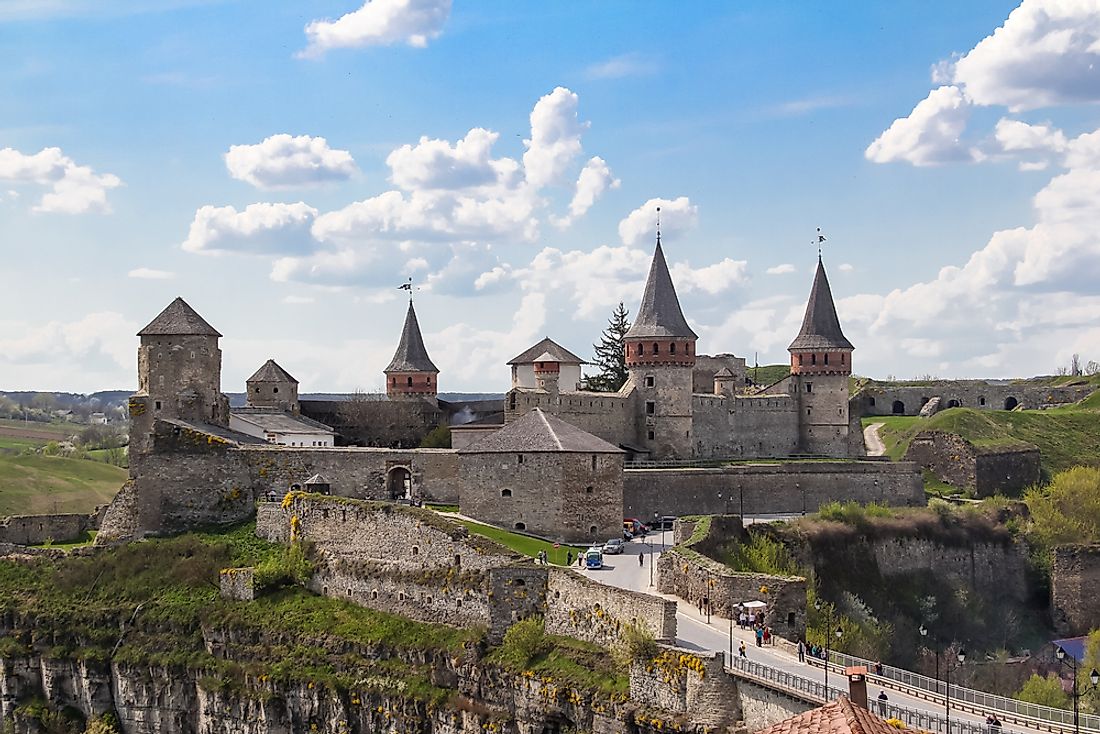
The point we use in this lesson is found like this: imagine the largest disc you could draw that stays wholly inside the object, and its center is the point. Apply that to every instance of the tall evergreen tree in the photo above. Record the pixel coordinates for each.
(610, 356)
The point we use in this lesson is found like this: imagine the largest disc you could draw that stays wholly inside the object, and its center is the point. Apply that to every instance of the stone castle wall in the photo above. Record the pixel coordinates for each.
(1074, 579)
(790, 487)
(744, 426)
(39, 529)
(611, 416)
(588, 610)
(880, 398)
(956, 461)
(687, 682)
(993, 570)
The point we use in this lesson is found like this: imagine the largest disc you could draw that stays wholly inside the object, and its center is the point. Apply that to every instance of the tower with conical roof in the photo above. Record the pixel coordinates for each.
(179, 374)
(660, 355)
(821, 363)
(273, 387)
(411, 373)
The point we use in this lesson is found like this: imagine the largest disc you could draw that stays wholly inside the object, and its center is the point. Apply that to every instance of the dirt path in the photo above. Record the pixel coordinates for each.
(873, 442)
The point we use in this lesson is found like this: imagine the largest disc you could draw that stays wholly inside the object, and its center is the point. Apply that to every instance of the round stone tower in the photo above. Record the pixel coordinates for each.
(821, 363)
(411, 373)
(660, 355)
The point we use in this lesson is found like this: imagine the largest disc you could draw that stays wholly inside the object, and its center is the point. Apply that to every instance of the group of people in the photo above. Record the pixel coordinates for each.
(814, 651)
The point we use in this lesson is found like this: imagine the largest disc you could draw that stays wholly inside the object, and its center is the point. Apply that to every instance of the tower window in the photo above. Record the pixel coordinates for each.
(656, 348)
(800, 360)
(672, 348)
(813, 359)
(409, 381)
(588, 489)
(809, 387)
(842, 357)
(519, 458)
(593, 463)
(641, 350)
(826, 358)
(157, 405)
(257, 388)
(650, 435)
(505, 493)
(274, 389)
(520, 526)
(649, 380)
(650, 407)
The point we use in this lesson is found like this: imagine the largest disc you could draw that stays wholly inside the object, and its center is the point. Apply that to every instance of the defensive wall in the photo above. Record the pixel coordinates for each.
(689, 571)
(988, 470)
(877, 398)
(1074, 578)
(744, 426)
(768, 487)
(609, 415)
(413, 562)
(40, 529)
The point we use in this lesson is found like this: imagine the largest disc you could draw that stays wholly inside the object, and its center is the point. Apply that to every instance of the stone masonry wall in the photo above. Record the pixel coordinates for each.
(237, 583)
(1075, 577)
(588, 610)
(956, 461)
(39, 529)
(744, 426)
(769, 487)
(1007, 472)
(611, 416)
(687, 682)
(763, 707)
(880, 398)
(990, 569)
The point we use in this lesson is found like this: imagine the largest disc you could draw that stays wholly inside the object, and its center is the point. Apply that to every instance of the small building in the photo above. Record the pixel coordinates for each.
(280, 427)
(546, 361)
(543, 476)
(272, 387)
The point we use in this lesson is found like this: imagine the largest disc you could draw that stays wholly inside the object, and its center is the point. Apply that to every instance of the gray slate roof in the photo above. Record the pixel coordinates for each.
(539, 432)
(178, 319)
(659, 314)
(820, 326)
(724, 372)
(411, 355)
(548, 346)
(271, 372)
(277, 421)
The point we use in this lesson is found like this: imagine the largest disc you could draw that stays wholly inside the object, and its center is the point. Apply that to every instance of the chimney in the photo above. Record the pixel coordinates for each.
(857, 685)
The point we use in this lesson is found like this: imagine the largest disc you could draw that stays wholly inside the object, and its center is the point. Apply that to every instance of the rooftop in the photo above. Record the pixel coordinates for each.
(820, 326)
(271, 372)
(659, 313)
(836, 717)
(411, 354)
(539, 432)
(178, 319)
(277, 421)
(547, 350)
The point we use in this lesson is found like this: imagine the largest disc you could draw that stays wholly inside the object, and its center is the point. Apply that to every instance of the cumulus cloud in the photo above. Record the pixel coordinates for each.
(594, 180)
(781, 269)
(257, 229)
(73, 189)
(283, 161)
(710, 279)
(929, 135)
(150, 274)
(379, 23)
(98, 348)
(677, 217)
(555, 137)
(436, 164)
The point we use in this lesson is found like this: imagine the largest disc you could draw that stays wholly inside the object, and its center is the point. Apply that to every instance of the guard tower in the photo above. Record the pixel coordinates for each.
(411, 373)
(273, 387)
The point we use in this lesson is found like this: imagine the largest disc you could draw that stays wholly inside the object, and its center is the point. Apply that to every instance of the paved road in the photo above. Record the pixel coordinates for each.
(695, 633)
(873, 441)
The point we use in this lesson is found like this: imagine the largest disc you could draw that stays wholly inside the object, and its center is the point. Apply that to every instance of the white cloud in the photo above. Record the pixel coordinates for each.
(297, 300)
(594, 180)
(85, 355)
(710, 279)
(845, 267)
(74, 189)
(467, 354)
(677, 217)
(284, 161)
(1017, 136)
(1045, 54)
(379, 23)
(259, 228)
(929, 135)
(436, 164)
(624, 65)
(781, 269)
(150, 274)
(555, 137)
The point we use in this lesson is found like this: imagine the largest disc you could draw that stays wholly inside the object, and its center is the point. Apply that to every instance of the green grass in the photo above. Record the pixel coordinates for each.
(767, 374)
(19, 444)
(86, 538)
(524, 544)
(34, 484)
(59, 428)
(442, 508)
(895, 431)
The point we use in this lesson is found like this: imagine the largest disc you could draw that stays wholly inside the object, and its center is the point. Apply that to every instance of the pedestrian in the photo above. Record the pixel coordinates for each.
(701, 604)
(641, 559)
(801, 651)
(741, 650)
(882, 699)
(759, 636)
(878, 668)
(569, 558)
(706, 605)
(767, 635)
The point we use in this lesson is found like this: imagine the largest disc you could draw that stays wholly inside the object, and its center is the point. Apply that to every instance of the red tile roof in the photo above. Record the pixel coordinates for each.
(836, 717)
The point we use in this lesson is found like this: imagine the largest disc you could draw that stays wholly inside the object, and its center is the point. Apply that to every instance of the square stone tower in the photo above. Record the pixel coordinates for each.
(273, 387)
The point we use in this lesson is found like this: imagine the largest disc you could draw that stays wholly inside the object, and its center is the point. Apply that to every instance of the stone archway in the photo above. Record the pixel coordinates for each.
(1011, 403)
(898, 408)
(399, 483)
(954, 403)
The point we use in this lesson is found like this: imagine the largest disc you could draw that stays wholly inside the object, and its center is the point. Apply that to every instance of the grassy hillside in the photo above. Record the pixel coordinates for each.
(33, 484)
(1067, 436)
(766, 374)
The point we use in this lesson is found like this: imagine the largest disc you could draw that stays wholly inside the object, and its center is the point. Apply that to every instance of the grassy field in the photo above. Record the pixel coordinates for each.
(524, 544)
(33, 484)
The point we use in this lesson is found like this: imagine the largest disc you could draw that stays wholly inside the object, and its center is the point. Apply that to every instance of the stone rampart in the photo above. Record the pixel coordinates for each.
(993, 570)
(40, 529)
(238, 584)
(588, 610)
(986, 470)
(611, 416)
(744, 426)
(758, 488)
(762, 707)
(878, 398)
(687, 682)
(1074, 579)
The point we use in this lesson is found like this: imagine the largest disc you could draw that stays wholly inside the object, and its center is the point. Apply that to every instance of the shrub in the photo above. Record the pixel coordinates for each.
(764, 554)
(634, 643)
(291, 567)
(1044, 691)
(524, 641)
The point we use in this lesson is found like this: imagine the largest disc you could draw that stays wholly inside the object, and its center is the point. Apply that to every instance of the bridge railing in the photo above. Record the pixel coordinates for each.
(814, 691)
(1047, 715)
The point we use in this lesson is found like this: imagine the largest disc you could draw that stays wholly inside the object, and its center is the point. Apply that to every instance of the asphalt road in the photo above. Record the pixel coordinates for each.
(694, 632)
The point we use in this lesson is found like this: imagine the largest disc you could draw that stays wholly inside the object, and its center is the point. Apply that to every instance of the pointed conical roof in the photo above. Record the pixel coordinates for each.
(820, 326)
(411, 356)
(178, 319)
(659, 314)
(539, 432)
(272, 372)
(547, 346)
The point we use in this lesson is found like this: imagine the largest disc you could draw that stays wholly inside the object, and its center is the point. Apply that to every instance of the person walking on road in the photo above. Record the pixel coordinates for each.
(641, 559)
(801, 651)
(741, 650)
(882, 699)
(569, 558)
(759, 636)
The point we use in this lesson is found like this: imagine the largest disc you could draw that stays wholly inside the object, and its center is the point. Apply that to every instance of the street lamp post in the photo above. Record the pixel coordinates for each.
(1094, 678)
(649, 545)
(839, 634)
(961, 655)
(924, 633)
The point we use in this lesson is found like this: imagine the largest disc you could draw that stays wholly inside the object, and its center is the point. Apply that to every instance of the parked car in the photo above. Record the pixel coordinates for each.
(593, 558)
(627, 535)
(635, 526)
(614, 546)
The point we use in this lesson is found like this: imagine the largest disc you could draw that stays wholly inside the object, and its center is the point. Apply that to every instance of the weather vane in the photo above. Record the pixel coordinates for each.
(407, 287)
(820, 238)
(658, 225)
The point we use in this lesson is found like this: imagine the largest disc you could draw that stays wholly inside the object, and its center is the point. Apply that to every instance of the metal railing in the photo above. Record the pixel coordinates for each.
(1046, 715)
(814, 691)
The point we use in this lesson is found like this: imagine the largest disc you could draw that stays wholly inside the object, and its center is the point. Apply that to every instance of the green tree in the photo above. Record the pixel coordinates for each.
(437, 438)
(1067, 510)
(1090, 696)
(1044, 691)
(610, 354)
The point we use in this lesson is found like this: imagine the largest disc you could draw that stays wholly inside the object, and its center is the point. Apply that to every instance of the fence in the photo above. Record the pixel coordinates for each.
(814, 691)
(1047, 715)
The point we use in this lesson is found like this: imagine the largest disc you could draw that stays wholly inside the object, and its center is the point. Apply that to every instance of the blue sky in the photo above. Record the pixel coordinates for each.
(283, 166)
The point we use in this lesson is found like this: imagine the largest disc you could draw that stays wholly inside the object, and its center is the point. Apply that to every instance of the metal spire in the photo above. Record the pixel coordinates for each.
(818, 241)
(658, 225)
